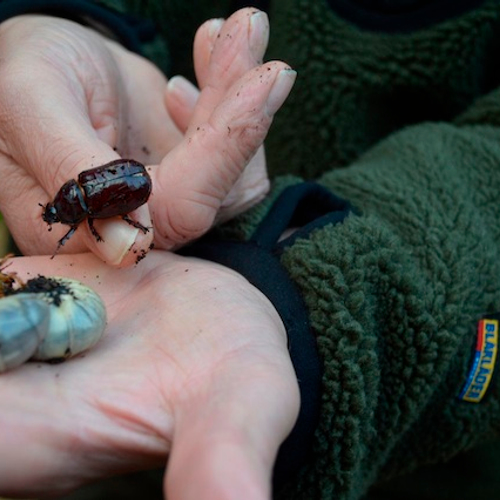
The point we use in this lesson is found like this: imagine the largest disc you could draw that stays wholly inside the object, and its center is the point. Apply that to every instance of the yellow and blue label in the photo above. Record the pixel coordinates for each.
(483, 362)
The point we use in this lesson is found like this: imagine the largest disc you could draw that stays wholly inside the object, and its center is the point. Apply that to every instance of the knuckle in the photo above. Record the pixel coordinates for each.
(239, 137)
(247, 137)
(187, 220)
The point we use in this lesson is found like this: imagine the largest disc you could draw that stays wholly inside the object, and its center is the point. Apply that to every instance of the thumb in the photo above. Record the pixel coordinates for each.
(194, 179)
(225, 442)
(48, 138)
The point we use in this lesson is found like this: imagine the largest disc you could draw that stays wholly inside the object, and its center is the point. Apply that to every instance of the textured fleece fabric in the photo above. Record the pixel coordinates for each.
(404, 123)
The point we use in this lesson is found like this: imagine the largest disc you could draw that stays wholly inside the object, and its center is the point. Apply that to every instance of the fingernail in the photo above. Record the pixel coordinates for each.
(280, 90)
(184, 89)
(118, 237)
(258, 36)
(214, 28)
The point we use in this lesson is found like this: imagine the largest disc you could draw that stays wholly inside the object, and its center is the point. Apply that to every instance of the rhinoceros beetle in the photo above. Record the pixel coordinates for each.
(117, 188)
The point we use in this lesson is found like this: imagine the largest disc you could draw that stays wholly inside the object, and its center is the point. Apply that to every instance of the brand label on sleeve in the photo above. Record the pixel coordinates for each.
(483, 362)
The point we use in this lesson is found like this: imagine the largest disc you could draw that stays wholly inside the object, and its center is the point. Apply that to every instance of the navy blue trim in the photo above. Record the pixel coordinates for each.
(417, 15)
(130, 31)
(309, 206)
(303, 207)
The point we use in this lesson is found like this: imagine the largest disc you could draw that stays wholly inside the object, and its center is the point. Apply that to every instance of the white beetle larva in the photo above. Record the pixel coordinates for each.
(77, 317)
(24, 322)
(47, 319)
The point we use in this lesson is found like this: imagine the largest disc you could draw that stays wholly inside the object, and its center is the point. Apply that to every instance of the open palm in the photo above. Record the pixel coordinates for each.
(193, 365)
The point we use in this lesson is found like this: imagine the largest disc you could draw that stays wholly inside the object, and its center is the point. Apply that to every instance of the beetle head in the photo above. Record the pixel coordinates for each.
(50, 215)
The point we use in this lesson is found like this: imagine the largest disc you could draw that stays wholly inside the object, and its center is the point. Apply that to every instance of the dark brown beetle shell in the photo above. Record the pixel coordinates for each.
(117, 188)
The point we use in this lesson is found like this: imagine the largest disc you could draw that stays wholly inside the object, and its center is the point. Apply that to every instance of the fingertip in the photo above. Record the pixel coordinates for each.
(280, 89)
(117, 240)
(122, 244)
(180, 88)
(258, 38)
(204, 43)
(213, 31)
(181, 97)
(207, 34)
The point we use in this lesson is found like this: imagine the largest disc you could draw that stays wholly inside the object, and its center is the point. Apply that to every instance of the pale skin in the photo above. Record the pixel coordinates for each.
(194, 366)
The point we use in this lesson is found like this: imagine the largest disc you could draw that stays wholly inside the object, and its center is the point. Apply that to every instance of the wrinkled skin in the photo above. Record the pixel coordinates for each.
(70, 100)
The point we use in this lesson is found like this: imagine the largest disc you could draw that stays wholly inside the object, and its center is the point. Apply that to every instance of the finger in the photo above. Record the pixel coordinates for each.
(239, 46)
(221, 466)
(45, 127)
(250, 188)
(225, 442)
(204, 41)
(235, 46)
(240, 49)
(122, 244)
(181, 97)
(194, 179)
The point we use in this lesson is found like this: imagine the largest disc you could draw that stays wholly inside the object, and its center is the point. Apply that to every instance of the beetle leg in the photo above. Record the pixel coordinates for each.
(93, 230)
(136, 224)
(67, 236)
(64, 239)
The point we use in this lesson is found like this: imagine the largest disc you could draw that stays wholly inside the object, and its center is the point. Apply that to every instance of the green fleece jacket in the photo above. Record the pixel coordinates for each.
(396, 110)
(405, 124)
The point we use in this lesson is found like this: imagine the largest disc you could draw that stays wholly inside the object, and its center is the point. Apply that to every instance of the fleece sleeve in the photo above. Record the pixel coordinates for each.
(395, 290)
(394, 294)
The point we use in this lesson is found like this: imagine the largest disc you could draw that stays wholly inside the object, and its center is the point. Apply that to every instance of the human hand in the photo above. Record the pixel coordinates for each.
(194, 365)
(223, 52)
(69, 98)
